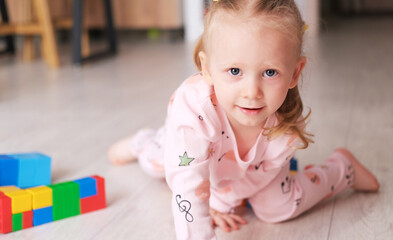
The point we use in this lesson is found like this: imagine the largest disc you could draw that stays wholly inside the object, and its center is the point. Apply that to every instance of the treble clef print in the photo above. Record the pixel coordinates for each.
(184, 206)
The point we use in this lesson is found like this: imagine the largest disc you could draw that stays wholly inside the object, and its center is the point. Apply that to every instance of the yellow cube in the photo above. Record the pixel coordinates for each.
(42, 196)
(20, 201)
(7, 189)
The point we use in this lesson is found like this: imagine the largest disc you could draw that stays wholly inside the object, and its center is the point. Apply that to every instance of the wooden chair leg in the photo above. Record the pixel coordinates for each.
(28, 51)
(85, 43)
(44, 50)
(28, 48)
(49, 46)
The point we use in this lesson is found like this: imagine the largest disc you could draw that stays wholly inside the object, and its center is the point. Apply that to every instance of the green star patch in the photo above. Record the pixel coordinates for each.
(185, 160)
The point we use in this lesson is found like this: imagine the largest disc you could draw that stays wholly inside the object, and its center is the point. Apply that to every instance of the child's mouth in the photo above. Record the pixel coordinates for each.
(250, 111)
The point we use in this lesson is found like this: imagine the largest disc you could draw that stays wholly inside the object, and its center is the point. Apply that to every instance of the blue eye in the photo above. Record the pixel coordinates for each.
(234, 71)
(270, 73)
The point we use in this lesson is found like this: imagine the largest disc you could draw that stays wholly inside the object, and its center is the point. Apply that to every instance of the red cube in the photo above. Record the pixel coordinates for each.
(95, 202)
(5, 214)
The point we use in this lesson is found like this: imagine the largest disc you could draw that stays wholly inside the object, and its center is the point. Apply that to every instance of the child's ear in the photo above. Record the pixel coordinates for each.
(205, 69)
(298, 70)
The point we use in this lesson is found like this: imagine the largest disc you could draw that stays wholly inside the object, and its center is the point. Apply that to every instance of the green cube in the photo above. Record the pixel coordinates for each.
(17, 222)
(72, 199)
(66, 200)
(58, 206)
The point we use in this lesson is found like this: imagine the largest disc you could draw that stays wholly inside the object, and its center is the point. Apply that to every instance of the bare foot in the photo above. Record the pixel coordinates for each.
(364, 180)
(119, 153)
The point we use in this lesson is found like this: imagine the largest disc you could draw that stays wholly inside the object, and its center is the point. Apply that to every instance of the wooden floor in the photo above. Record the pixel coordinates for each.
(74, 114)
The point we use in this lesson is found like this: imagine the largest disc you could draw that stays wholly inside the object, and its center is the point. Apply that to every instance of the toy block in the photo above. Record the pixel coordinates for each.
(96, 202)
(58, 206)
(100, 181)
(27, 220)
(25, 169)
(66, 200)
(20, 201)
(9, 168)
(42, 216)
(293, 164)
(34, 169)
(41, 196)
(17, 222)
(8, 189)
(43, 170)
(87, 187)
(72, 199)
(19, 209)
(5, 214)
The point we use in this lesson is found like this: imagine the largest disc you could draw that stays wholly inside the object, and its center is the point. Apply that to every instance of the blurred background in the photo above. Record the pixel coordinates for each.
(78, 75)
(170, 20)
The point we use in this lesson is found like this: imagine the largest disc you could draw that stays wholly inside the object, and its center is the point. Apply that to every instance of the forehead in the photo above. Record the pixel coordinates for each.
(232, 35)
(237, 23)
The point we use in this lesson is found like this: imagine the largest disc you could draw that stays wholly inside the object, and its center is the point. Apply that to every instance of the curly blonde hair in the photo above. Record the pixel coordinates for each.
(286, 17)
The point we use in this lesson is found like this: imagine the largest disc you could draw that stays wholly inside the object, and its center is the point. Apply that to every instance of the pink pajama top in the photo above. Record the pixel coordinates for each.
(201, 159)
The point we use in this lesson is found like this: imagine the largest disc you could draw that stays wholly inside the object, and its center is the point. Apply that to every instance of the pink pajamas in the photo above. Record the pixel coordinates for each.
(198, 151)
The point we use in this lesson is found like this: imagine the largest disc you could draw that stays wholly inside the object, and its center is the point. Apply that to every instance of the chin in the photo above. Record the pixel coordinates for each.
(252, 123)
(255, 125)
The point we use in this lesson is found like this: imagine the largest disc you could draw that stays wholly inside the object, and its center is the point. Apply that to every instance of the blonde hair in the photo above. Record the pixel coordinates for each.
(285, 16)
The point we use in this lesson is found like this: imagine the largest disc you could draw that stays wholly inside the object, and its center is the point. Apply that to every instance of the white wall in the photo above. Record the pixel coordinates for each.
(193, 19)
(310, 10)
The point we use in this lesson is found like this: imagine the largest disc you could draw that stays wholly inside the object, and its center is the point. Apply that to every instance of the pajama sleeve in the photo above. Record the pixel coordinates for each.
(186, 158)
(187, 174)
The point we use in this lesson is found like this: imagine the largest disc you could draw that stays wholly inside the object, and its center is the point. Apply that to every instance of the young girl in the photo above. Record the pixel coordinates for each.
(232, 128)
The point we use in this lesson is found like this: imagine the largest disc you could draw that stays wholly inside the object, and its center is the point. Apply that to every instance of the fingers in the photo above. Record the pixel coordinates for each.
(231, 222)
(234, 220)
(239, 219)
(221, 222)
(226, 222)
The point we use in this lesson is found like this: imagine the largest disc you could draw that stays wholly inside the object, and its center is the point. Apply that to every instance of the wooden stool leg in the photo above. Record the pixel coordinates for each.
(28, 48)
(44, 50)
(48, 36)
(85, 36)
(85, 43)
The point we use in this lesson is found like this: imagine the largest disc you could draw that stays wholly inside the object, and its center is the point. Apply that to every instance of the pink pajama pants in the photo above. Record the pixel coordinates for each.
(280, 196)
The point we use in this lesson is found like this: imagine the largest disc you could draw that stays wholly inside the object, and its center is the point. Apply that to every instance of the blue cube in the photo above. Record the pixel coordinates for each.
(42, 216)
(87, 187)
(25, 170)
(9, 169)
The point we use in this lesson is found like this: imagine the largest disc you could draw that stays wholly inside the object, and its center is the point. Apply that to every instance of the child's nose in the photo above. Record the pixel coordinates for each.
(252, 89)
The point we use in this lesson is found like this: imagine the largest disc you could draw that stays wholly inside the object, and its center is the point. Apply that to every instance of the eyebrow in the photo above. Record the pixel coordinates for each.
(265, 65)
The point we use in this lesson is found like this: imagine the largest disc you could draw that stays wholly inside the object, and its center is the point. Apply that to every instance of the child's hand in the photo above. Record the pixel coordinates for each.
(226, 221)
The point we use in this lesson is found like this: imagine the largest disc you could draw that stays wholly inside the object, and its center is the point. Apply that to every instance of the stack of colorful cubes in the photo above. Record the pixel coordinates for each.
(40, 202)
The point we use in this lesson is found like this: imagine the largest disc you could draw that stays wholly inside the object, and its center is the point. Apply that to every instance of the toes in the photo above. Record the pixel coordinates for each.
(364, 180)
(119, 153)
